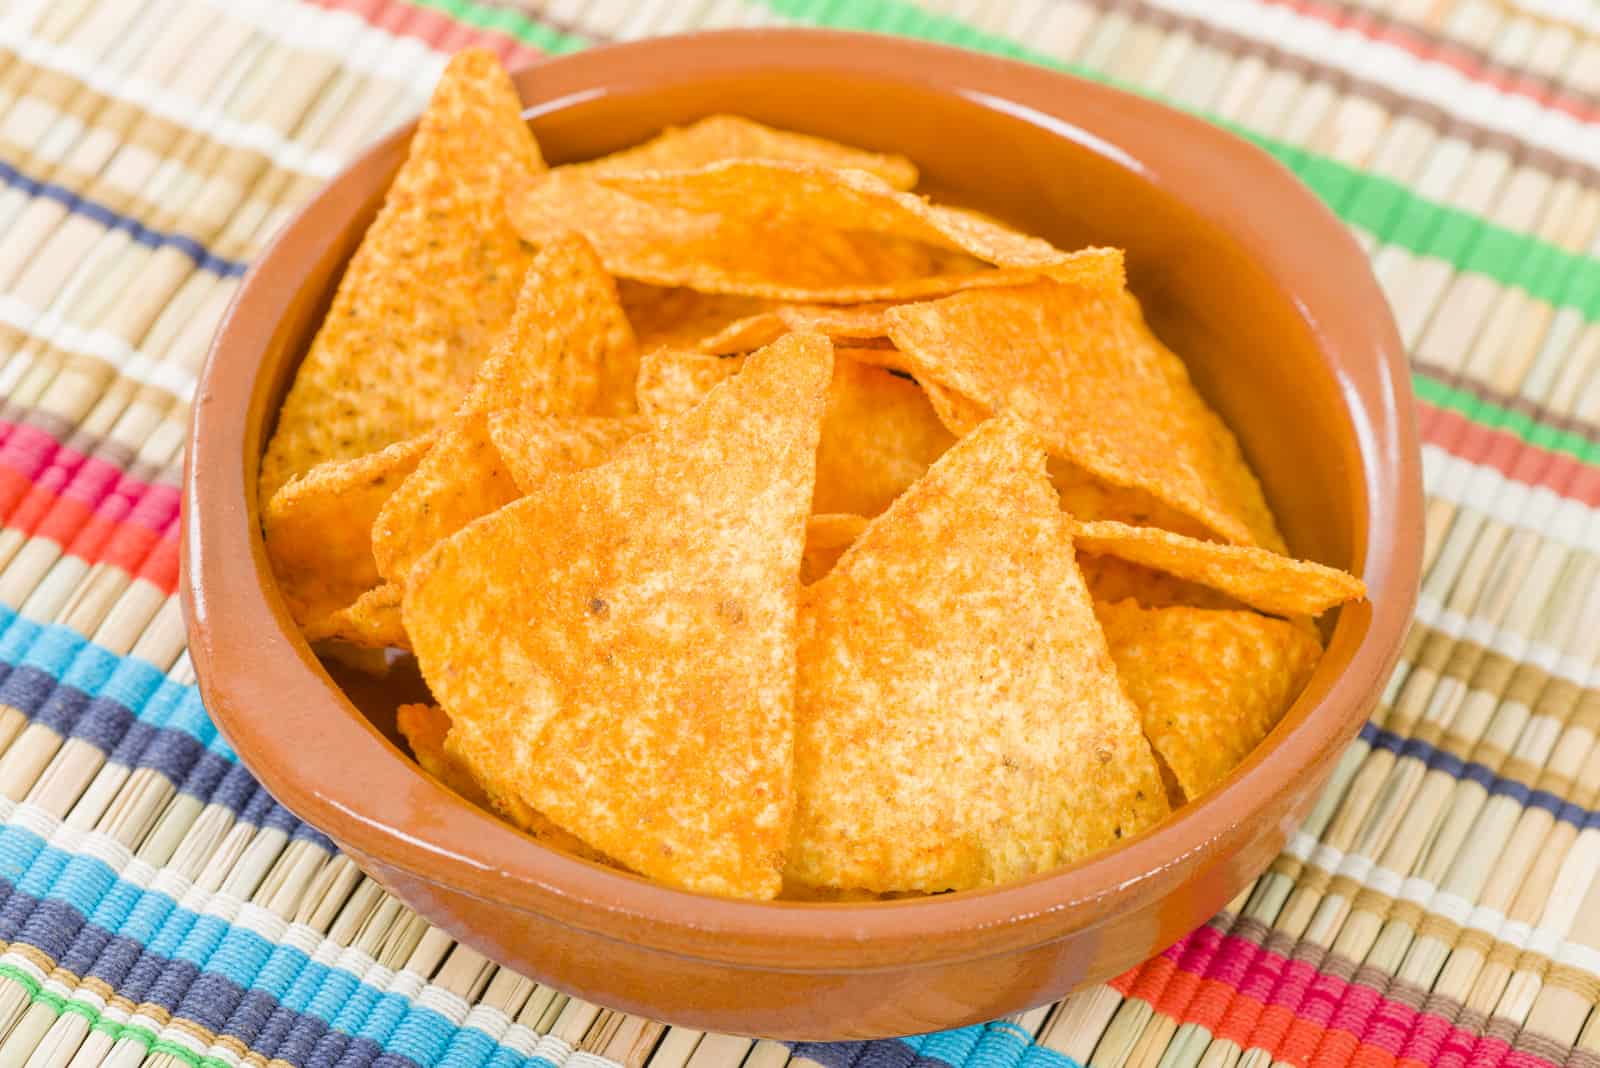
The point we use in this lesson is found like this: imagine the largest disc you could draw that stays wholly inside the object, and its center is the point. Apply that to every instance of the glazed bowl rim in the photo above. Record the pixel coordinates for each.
(496, 863)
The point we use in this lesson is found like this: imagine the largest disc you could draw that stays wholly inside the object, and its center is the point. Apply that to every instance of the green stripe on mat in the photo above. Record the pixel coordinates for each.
(506, 20)
(1500, 417)
(143, 1036)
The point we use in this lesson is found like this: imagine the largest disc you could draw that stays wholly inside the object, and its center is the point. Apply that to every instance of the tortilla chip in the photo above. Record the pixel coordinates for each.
(709, 253)
(431, 286)
(1085, 497)
(958, 718)
(855, 322)
(806, 198)
(1086, 373)
(425, 728)
(1209, 685)
(616, 649)
(878, 437)
(372, 622)
(568, 350)
(1259, 578)
(533, 447)
(827, 537)
(724, 137)
(1112, 579)
(672, 381)
(679, 318)
(318, 529)
(459, 480)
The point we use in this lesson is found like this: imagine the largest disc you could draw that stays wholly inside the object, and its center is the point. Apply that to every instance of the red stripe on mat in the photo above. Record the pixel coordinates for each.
(1458, 60)
(435, 29)
(1256, 998)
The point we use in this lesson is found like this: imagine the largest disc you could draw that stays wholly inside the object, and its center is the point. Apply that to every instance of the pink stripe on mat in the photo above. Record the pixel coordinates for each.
(1241, 992)
(435, 29)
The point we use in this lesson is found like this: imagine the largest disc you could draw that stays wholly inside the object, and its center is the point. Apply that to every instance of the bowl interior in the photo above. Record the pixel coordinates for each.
(1248, 346)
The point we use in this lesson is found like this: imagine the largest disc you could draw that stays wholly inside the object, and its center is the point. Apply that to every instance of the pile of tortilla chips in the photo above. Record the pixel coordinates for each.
(761, 527)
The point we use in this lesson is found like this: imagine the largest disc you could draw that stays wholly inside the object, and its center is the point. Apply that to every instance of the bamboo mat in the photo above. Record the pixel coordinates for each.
(1442, 903)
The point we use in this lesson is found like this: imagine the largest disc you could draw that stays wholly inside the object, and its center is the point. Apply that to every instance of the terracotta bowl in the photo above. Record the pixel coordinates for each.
(1242, 271)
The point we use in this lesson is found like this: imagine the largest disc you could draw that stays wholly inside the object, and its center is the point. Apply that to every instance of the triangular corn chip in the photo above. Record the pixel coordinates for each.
(671, 381)
(1110, 578)
(827, 537)
(807, 198)
(724, 137)
(879, 436)
(1209, 685)
(568, 351)
(426, 729)
(318, 529)
(1261, 579)
(429, 289)
(616, 649)
(677, 318)
(533, 447)
(856, 322)
(958, 718)
(1085, 372)
(712, 254)
(372, 622)
(1086, 497)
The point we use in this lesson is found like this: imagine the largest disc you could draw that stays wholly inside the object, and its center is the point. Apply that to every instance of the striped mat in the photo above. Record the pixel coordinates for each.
(1441, 905)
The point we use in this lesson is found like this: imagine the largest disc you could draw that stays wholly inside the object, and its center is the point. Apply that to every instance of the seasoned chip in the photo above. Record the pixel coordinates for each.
(827, 537)
(1209, 685)
(318, 529)
(1085, 372)
(459, 480)
(616, 649)
(1110, 578)
(1257, 577)
(805, 197)
(724, 137)
(856, 322)
(533, 447)
(425, 728)
(672, 381)
(667, 247)
(676, 318)
(879, 436)
(429, 289)
(958, 718)
(568, 350)
(372, 622)
(1085, 497)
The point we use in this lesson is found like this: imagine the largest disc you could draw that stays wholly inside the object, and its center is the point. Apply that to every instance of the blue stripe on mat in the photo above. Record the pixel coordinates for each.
(202, 257)
(78, 911)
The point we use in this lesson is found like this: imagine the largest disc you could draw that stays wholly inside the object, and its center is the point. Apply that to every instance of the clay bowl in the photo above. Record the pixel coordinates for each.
(1243, 272)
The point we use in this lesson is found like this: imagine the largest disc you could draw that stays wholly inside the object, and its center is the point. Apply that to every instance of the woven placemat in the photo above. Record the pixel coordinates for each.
(1441, 904)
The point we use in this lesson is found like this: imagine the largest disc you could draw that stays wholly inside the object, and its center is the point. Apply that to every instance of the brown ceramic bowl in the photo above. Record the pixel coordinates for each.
(1242, 271)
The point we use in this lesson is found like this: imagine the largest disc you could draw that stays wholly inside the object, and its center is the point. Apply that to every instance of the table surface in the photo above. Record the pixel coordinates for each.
(1441, 904)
